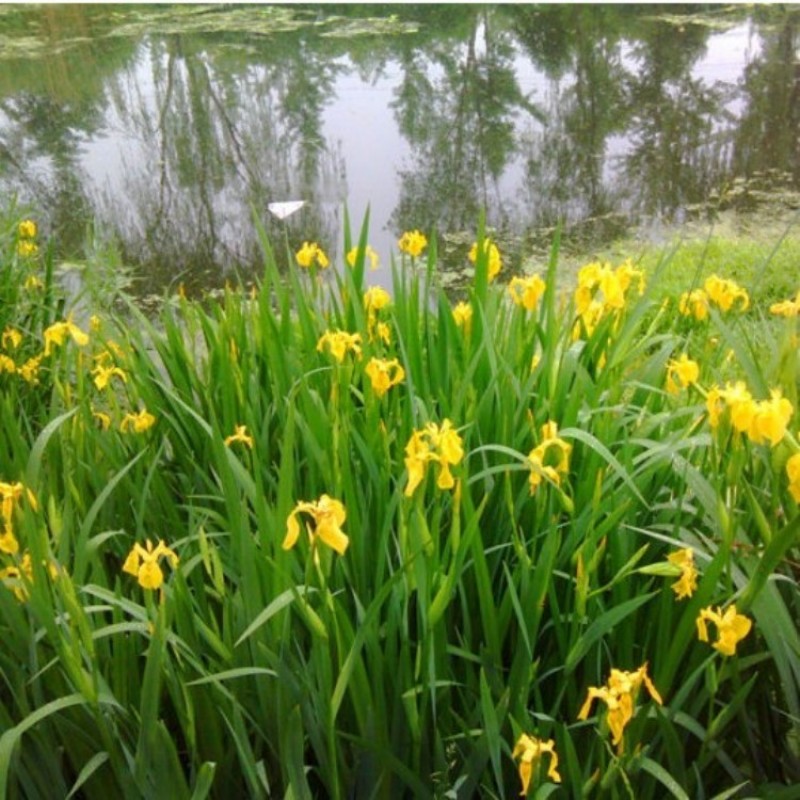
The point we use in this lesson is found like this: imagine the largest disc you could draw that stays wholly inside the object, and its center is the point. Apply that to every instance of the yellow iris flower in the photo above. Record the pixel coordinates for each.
(687, 583)
(684, 370)
(369, 255)
(442, 445)
(550, 458)
(311, 254)
(340, 343)
(412, 243)
(529, 750)
(793, 472)
(103, 375)
(240, 434)
(138, 423)
(731, 628)
(725, 293)
(143, 563)
(526, 292)
(384, 374)
(619, 695)
(57, 333)
(495, 261)
(328, 515)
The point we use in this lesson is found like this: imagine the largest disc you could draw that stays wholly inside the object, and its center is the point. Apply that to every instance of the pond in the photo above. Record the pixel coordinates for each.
(168, 128)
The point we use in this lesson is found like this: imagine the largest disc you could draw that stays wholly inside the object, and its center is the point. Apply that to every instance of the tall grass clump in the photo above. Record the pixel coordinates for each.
(323, 539)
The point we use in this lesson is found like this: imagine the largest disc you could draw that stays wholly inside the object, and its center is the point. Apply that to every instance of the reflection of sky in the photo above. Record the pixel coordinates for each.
(358, 126)
(361, 122)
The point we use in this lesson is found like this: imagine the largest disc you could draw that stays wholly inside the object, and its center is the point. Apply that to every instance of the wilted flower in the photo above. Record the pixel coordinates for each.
(619, 695)
(143, 563)
(412, 243)
(384, 374)
(433, 443)
(687, 583)
(240, 434)
(328, 515)
(311, 254)
(731, 628)
(495, 261)
(526, 292)
(339, 343)
(529, 750)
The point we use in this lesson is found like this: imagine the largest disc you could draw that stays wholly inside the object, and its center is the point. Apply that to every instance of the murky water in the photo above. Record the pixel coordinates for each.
(172, 128)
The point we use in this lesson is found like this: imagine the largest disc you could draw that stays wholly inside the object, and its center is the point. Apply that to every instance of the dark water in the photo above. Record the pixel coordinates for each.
(170, 126)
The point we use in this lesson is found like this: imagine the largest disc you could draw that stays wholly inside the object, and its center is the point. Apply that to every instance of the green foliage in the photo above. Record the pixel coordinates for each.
(458, 618)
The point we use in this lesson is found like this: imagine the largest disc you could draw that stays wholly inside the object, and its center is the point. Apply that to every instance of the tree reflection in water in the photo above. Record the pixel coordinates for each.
(170, 127)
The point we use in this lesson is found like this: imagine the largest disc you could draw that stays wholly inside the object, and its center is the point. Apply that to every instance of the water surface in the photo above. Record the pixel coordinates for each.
(170, 127)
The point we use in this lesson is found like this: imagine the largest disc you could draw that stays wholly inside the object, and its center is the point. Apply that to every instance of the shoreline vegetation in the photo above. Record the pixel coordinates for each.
(321, 538)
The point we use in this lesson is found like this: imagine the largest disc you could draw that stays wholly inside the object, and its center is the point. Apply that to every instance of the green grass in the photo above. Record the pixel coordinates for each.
(457, 619)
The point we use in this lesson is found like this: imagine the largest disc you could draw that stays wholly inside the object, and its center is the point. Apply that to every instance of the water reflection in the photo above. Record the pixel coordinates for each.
(170, 128)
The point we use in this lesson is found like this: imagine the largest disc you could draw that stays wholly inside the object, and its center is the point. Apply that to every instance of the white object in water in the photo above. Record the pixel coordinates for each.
(286, 209)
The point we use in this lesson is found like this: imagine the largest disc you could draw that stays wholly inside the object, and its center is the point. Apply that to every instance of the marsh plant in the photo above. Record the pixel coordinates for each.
(328, 539)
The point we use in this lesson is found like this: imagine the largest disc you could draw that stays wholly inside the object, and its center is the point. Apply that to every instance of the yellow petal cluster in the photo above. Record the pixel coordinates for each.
(369, 255)
(609, 287)
(144, 565)
(12, 576)
(762, 420)
(787, 308)
(240, 434)
(793, 472)
(26, 233)
(687, 583)
(433, 443)
(526, 292)
(530, 750)
(11, 338)
(694, 304)
(619, 695)
(731, 628)
(681, 372)
(384, 374)
(103, 375)
(550, 458)
(726, 293)
(495, 260)
(377, 298)
(138, 423)
(311, 254)
(57, 333)
(328, 516)
(462, 315)
(412, 243)
(340, 343)
(10, 496)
